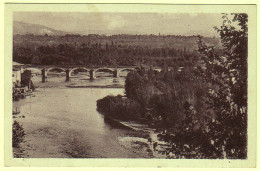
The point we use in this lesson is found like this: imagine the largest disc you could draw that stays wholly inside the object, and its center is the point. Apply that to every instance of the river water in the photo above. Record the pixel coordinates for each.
(62, 122)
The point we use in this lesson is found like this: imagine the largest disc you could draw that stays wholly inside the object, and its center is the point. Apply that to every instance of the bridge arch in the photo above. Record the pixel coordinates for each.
(87, 70)
(104, 69)
(108, 70)
(49, 69)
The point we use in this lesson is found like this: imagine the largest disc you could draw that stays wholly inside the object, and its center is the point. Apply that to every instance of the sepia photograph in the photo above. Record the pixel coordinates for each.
(130, 85)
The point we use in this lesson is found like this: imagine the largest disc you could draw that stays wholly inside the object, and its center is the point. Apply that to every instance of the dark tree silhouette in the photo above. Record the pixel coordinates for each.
(227, 78)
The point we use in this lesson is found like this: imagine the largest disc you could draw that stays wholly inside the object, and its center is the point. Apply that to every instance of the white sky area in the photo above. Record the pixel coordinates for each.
(125, 23)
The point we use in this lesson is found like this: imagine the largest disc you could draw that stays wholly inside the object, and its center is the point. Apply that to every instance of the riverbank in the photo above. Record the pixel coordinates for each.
(156, 147)
(96, 86)
(132, 125)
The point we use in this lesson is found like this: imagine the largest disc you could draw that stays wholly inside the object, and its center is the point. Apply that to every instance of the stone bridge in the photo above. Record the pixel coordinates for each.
(44, 70)
(92, 72)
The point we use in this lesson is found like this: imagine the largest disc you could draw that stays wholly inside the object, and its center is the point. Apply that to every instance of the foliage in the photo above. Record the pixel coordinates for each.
(18, 134)
(228, 94)
(163, 94)
(224, 135)
(119, 108)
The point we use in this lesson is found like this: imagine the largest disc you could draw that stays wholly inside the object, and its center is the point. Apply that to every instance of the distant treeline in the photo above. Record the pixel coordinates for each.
(107, 50)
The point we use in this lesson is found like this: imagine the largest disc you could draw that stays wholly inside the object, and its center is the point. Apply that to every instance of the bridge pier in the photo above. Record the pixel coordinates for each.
(115, 73)
(92, 74)
(43, 75)
(67, 75)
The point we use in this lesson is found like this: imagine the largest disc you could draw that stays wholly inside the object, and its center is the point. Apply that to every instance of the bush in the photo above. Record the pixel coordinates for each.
(18, 134)
(119, 108)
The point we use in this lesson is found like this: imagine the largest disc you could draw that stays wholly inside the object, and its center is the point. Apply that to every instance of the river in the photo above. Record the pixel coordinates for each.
(62, 122)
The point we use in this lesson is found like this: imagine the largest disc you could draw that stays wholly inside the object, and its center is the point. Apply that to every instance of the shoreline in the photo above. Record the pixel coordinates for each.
(131, 125)
(151, 133)
(95, 86)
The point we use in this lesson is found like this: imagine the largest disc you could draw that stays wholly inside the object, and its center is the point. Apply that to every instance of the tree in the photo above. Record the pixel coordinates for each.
(227, 95)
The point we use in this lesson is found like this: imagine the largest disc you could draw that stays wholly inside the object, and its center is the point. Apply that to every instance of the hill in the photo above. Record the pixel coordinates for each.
(36, 29)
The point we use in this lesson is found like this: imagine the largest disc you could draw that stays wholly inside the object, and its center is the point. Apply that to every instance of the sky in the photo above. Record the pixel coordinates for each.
(125, 23)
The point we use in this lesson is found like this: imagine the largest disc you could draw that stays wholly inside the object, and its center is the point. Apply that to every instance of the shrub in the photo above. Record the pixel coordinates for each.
(18, 134)
(119, 108)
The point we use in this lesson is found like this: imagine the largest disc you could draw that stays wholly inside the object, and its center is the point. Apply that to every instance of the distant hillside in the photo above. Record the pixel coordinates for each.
(115, 50)
(152, 41)
(26, 28)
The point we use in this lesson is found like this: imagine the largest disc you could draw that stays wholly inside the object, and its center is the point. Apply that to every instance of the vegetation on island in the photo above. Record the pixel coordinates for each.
(203, 107)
